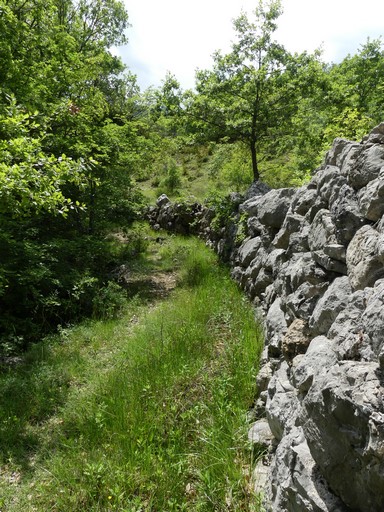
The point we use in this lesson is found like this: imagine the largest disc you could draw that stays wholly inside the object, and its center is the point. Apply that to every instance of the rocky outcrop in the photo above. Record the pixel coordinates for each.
(312, 260)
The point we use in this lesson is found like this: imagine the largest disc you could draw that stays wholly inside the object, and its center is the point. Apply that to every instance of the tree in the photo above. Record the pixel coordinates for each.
(68, 129)
(252, 93)
(355, 98)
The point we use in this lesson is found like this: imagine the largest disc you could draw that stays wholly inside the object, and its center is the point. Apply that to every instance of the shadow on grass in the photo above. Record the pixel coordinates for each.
(31, 391)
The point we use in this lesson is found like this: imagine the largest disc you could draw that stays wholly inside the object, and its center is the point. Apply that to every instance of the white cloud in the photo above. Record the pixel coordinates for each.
(176, 36)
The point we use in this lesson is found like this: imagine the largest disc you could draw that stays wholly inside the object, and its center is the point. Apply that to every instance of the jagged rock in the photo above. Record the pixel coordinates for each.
(376, 136)
(269, 296)
(347, 332)
(258, 262)
(348, 157)
(330, 264)
(270, 208)
(364, 258)
(296, 484)
(292, 228)
(343, 422)
(274, 261)
(257, 188)
(275, 328)
(282, 403)
(367, 166)
(260, 433)
(318, 205)
(264, 375)
(346, 214)
(274, 206)
(263, 279)
(302, 269)
(298, 242)
(372, 319)
(322, 231)
(319, 356)
(248, 250)
(303, 200)
(295, 340)
(338, 148)
(253, 269)
(329, 183)
(336, 252)
(301, 303)
(329, 305)
(371, 198)
(163, 200)
(254, 227)
(237, 274)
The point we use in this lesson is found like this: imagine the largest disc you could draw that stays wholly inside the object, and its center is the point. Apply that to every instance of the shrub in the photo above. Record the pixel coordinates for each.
(109, 301)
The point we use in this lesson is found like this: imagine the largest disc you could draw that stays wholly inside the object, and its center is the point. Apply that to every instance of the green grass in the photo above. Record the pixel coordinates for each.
(144, 413)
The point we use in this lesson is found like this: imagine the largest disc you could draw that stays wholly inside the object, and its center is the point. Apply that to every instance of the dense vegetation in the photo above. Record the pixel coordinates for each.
(82, 148)
(158, 420)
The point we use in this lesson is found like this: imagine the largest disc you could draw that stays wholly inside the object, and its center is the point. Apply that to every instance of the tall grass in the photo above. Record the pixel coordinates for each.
(151, 415)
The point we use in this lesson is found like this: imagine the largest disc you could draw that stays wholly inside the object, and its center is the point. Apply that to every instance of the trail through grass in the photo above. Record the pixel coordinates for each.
(144, 413)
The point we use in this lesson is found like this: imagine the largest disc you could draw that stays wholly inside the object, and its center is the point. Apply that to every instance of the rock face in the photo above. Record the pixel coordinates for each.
(312, 260)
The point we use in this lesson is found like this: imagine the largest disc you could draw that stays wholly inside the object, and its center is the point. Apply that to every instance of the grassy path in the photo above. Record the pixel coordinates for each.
(144, 413)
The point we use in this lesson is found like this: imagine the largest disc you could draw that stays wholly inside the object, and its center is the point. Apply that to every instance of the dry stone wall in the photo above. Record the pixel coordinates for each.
(313, 263)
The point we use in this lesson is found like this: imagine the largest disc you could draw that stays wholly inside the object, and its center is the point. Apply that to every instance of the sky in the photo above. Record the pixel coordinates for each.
(179, 36)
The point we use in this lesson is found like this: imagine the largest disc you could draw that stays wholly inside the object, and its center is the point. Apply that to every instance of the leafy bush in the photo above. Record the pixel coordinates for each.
(109, 301)
(230, 165)
(172, 180)
(47, 280)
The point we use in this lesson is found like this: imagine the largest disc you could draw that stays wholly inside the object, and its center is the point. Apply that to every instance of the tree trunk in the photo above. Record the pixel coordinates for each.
(255, 167)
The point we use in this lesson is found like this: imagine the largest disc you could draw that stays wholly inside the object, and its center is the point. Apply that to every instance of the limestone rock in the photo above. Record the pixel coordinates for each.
(329, 183)
(346, 214)
(319, 356)
(263, 279)
(293, 234)
(163, 200)
(371, 198)
(303, 200)
(329, 305)
(302, 301)
(322, 231)
(274, 261)
(260, 433)
(275, 328)
(376, 136)
(257, 188)
(328, 263)
(364, 258)
(295, 340)
(338, 148)
(343, 422)
(367, 166)
(254, 227)
(296, 484)
(270, 208)
(248, 251)
(264, 376)
(372, 319)
(282, 403)
(336, 252)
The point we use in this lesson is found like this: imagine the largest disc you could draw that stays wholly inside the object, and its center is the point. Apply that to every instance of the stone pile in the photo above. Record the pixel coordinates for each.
(313, 263)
